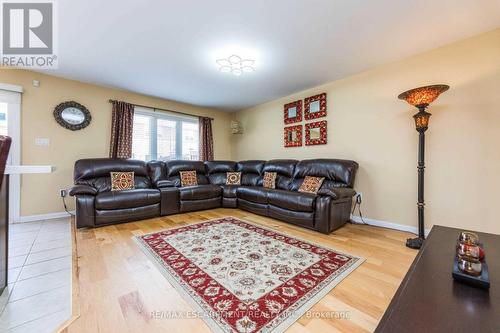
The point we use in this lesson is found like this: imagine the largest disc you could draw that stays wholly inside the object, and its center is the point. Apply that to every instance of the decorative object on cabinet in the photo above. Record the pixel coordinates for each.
(293, 136)
(72, 115)
(469, 266)
(316, 133)
(315, 106)
(421, 98)
(292, 112)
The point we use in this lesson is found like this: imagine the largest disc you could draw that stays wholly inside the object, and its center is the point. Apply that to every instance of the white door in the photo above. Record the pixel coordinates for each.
(10, 124)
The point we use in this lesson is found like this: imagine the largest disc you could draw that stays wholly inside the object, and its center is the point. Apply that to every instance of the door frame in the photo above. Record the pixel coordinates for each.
(14, 129)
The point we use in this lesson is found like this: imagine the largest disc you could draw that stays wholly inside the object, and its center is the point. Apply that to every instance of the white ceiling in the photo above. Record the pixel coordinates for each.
(168, 48)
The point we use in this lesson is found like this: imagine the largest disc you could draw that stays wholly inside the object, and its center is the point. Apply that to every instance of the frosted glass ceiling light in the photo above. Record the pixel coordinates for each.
(236, 65)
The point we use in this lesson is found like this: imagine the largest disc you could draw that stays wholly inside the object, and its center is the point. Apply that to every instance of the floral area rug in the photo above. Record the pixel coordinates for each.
(245, 278)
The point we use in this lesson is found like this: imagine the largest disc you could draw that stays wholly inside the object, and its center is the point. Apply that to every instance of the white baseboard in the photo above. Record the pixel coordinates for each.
(389, 225)
(41, 217)
(354, 218)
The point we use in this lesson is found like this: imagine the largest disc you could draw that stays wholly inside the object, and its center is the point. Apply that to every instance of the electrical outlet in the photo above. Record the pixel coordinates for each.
(62, 193)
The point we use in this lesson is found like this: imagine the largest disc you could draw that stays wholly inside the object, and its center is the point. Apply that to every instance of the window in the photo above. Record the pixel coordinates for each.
(161, 136)
(3, 118)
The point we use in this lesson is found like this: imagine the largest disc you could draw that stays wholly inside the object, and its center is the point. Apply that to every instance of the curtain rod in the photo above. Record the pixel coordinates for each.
(160, 109)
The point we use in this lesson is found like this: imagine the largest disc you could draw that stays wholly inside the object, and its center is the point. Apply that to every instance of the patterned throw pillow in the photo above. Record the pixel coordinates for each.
(269, 180)
(233, 178)
(311, 184)
(188, 178)
(122, 181)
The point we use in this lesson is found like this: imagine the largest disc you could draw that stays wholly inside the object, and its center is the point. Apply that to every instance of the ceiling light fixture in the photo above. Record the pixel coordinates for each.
(236, 65)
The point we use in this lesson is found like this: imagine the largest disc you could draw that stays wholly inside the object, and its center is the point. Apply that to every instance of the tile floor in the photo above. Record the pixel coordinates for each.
(38, 296)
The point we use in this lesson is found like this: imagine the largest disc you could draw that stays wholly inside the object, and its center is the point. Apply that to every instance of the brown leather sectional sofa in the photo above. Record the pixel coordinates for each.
(158, 192)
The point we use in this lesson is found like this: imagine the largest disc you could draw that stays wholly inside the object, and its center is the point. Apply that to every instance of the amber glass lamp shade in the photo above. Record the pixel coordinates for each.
(421, 97)
(422, 120)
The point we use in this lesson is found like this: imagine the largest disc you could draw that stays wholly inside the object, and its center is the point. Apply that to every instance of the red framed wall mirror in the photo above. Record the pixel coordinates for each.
(316, 133)
(315, 106)
(293, 136)
(292, 112)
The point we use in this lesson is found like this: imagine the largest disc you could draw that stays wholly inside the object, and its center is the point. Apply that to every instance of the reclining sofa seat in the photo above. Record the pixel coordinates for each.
(97, 205)
(256, 198)
(191, 198)
(217, 172)
(334, 198)
(158, 185)
(325, 211)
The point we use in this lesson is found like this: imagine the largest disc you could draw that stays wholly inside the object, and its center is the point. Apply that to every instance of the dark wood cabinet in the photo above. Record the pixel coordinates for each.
(429, 300)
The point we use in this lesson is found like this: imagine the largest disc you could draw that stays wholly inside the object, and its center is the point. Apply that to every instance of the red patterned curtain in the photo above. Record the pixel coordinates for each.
(206, 139)
(122, 121)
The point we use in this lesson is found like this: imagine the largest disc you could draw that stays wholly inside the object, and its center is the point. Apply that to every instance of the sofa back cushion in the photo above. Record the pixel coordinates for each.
(217, 171)
(173, 168)
(157, 171)
(337, 173)
(96, 172)
(284, 170)
(251, 172)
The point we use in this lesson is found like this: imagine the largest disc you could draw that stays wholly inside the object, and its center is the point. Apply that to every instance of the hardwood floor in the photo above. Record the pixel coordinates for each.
(119, 287)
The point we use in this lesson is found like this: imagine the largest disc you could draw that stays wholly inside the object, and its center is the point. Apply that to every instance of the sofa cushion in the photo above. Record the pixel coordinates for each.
(229, 191)
(255, 194)
(284, 170)
(217, 170)
(311, 184)
(250, 172)
(269, 180)
(337, 173)
(188, 178)
(174, 167)
(122, 181)
(127, 199)
(295, 201)
(95, 172)
(200, 192)
(233, 178)
(157, 171)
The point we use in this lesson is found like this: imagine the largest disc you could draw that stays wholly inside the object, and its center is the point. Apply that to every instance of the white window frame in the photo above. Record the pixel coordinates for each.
(179, 119)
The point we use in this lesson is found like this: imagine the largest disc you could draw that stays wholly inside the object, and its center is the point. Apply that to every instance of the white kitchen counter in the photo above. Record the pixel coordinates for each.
(23, 169)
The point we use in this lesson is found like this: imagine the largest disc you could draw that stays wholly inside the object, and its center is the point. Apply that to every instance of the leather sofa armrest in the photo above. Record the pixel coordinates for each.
(82, 189)
(337, 192)
(165, 183)
(169, 200)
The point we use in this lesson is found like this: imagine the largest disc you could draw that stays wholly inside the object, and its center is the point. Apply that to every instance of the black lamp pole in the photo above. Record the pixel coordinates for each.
(421, 170)
(422, 123)
(420, 98)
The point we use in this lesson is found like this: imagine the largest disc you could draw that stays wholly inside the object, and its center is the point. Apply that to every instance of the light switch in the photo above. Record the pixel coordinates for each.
(42, 142)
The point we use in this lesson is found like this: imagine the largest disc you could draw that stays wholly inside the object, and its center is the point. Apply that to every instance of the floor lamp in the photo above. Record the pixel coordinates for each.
(421, 98)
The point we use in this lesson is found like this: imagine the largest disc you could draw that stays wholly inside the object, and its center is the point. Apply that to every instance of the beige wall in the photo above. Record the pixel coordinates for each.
(40, 193)
(367, 123)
